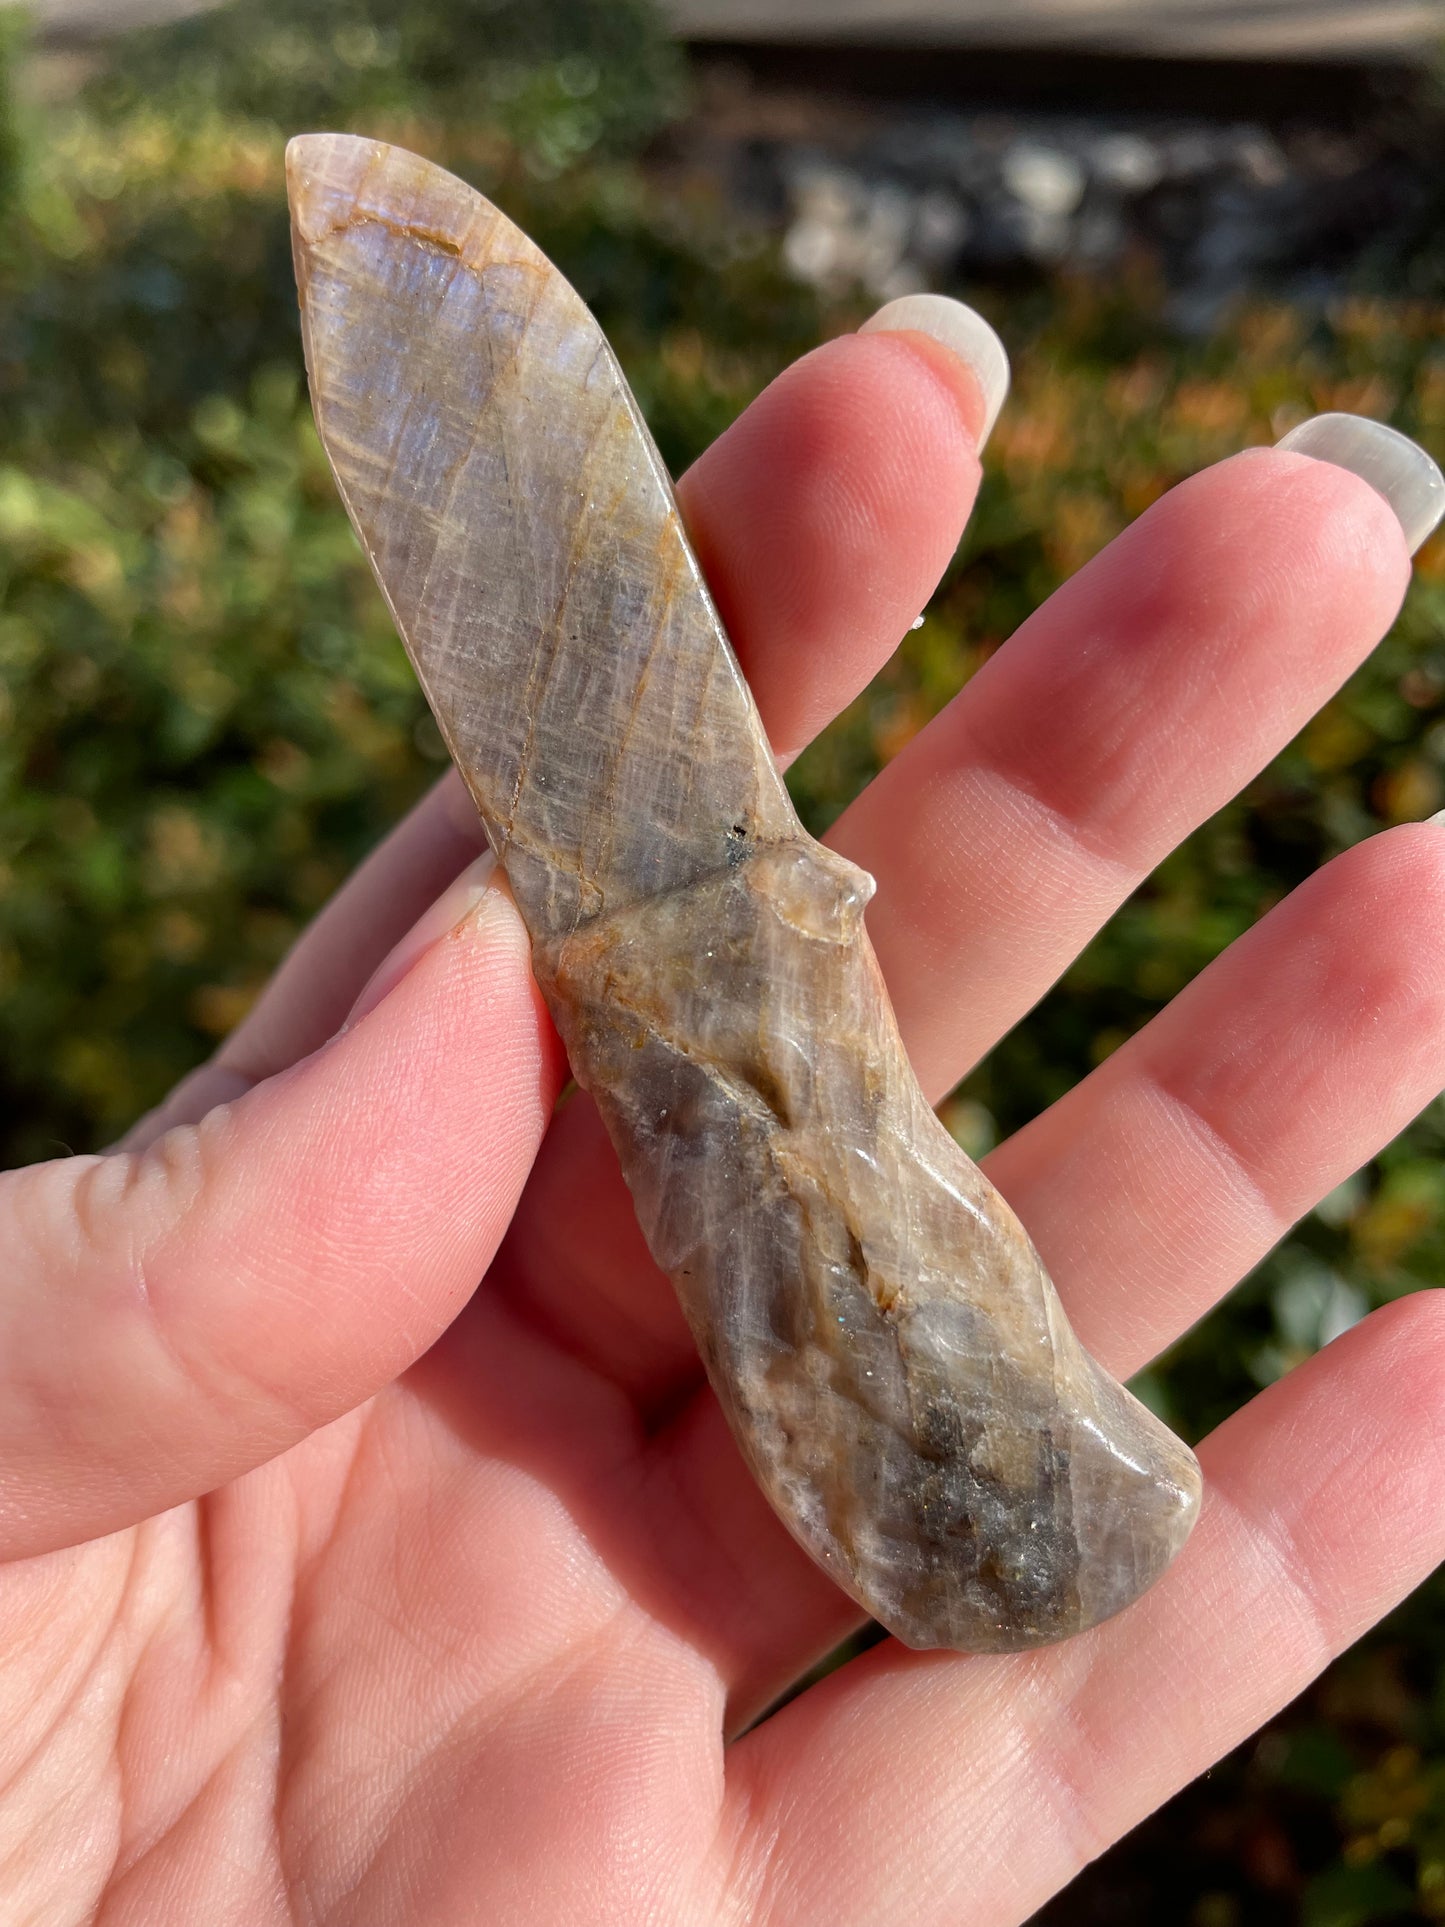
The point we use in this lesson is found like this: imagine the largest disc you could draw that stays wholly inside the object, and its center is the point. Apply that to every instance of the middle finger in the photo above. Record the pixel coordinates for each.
(1136, 702)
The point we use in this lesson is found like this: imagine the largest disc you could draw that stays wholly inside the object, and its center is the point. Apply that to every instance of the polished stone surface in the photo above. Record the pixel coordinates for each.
(887, 1346)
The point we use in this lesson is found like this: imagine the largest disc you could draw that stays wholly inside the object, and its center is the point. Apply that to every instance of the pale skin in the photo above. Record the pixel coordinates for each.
(374, 1548)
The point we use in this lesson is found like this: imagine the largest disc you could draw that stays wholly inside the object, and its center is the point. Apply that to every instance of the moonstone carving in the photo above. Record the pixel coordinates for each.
(884, 1340)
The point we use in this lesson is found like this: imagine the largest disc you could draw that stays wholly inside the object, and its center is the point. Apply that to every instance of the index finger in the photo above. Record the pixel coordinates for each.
(823, 519)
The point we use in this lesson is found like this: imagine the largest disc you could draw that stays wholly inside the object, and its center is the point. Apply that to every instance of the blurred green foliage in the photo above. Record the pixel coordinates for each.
(205, 718)
(560, 80)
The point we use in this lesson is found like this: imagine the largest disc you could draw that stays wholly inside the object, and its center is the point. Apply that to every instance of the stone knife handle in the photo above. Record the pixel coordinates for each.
(888, 1348)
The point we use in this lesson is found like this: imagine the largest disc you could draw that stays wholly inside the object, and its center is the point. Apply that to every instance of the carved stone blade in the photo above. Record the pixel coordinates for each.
(888, 1348)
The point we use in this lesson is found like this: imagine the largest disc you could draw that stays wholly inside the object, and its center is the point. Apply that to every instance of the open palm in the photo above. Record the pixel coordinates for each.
(341, 1588)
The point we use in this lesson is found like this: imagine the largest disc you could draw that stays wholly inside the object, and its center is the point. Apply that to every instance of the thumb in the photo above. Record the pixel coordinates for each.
(172, 1316)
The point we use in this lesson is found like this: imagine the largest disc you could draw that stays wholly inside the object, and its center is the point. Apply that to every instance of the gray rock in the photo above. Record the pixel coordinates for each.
(1048, 182)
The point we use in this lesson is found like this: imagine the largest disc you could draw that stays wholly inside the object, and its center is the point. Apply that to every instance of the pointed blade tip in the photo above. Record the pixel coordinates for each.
(319, 168)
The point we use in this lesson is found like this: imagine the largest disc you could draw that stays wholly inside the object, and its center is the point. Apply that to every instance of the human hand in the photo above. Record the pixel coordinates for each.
(340, 1587)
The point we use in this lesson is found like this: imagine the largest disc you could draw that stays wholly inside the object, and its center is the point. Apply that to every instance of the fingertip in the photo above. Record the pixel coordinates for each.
(962, 348)
(1329, 515)
(825, 516)
(1383, 1379)
(351, 1205)
(1416, 1331)
(1390, 888)
(462, 899)
(1263, 543)
(1398, 469)
(179, 1314)
(1407, 1330)
(462, 1047)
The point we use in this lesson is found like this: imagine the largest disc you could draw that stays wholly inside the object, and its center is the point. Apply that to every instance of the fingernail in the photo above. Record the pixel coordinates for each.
(1438, 817)
(1390, 462)
(960, 329)
(455, 903)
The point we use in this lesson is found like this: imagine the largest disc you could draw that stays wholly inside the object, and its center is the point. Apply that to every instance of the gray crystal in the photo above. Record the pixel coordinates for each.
(890, 1353)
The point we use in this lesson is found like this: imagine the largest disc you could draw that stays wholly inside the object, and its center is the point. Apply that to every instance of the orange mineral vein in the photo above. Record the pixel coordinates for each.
(887, 1346)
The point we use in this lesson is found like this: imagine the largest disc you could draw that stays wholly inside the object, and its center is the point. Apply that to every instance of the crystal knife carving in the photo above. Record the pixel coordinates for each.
(887, 1346)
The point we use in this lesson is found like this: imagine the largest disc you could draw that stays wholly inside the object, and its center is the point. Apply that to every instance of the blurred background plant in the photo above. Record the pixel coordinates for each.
(205, 718)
